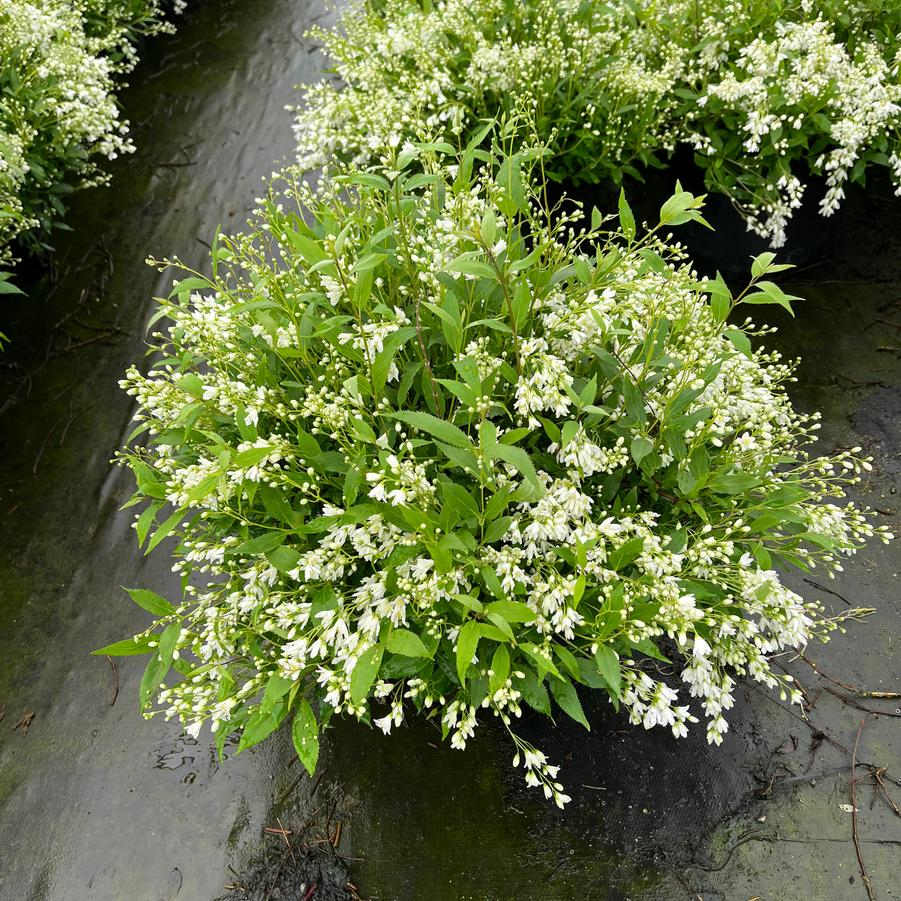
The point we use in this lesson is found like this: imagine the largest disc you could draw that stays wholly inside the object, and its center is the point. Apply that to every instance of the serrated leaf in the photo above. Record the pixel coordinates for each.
(364, 672)
(512, 611)
(626, 217)
(518, 459)
(258, 727)
(733, 483)
(500, 669)
(154, 673)
(564, 693)
(163, 530)
(488, 227)
(640, 448)
(760, 263)
(609, 667)
(740, 341)
(534, 693)
(128, 647)
(151, 602)
(477, 268)
(439, 428)
(407, 643)
(467, 642)
(624, 555)
(305, 735)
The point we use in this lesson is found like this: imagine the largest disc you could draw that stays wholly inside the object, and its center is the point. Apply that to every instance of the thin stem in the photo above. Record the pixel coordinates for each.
(506, 291)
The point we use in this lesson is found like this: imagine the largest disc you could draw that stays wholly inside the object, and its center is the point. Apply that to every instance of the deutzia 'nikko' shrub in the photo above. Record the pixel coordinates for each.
(426, 447)
(60, 62)
(768, 93)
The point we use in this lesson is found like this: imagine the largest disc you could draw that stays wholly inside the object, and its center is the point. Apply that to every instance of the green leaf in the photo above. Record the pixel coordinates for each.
(518, 459)
(720, 297)
(770, 292)
(624, 555)
(151, 602)
(160, 662)
(733, 483)
(370, 261)
(168, 640)
(407, 643)
(500, 669)
(740, 341)
(9, 288)
(262, 544)
(641, 447)
(582, 270)
(565, 695)
(164, 530)
(364, 672)
(468, 266)
(542, 662)
(129, 647)
(305, 735)
(258, 727)
(498, 625)
(276, 689)
(467, 642)
(459, 456)
(512, 611)
(763, 264)
(760, 263)
(488, 227)
(647, 647)
(521, 303)
(497, 529)
(439, 428)
(154, 673)
(307, 248)
(459, 499)
(608, 666)
(145, 520)
(568, 659)
(284, 559)
(626, 217)
(578, 590)
(634, 399)
(534, 693)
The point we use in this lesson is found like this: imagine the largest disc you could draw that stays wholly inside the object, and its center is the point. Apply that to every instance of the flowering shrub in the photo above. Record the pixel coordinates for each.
(59, 64)
(767, 92)
(406, 65)
(425, 447)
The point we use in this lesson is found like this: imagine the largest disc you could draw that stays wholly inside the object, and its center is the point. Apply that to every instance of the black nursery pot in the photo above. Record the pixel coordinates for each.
(730, 246)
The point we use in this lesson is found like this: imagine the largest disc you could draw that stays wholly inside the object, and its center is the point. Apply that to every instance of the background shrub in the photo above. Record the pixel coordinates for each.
(60, 65)
(767, 93)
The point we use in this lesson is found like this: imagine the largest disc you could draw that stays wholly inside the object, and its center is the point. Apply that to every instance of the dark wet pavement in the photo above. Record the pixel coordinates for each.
(96, 803)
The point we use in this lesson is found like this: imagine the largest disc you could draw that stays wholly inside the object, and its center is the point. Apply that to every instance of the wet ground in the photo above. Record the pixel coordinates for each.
(95, 803)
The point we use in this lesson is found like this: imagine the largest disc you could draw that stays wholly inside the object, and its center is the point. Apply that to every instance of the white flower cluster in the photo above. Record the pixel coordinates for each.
(408, 488)
(803, 81)
(59, 64)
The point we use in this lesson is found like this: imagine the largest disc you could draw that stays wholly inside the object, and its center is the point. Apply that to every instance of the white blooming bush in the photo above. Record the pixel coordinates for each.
(575, 66)
(427, 447)
(60, 64)
(768, 93)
